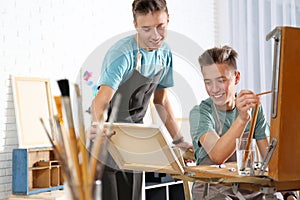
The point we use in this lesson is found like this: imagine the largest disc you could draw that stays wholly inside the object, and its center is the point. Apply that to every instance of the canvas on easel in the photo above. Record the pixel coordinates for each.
(285, 118)
(143, 148)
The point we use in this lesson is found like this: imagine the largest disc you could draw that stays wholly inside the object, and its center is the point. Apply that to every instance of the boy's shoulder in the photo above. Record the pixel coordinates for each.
(204, 105)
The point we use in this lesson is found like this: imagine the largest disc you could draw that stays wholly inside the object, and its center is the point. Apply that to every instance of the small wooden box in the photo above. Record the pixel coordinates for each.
(285, 162)
(35, 170)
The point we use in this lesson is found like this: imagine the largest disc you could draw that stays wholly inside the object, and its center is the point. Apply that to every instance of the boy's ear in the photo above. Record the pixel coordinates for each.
(237, 77)
(134, 23)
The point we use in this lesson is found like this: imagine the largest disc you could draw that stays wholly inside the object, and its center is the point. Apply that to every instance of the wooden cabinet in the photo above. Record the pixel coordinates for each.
(35, 171)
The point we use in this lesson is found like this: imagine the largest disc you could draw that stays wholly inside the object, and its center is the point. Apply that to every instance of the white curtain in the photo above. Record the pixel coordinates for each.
(249, 21)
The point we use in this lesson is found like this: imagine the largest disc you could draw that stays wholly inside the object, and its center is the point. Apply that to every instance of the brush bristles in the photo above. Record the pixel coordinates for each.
(63, 85)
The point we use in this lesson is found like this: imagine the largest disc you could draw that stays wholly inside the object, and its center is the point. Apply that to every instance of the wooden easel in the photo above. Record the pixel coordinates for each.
(285, 120)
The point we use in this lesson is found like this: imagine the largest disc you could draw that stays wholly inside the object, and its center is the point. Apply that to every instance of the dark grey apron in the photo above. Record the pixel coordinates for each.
(135, 97)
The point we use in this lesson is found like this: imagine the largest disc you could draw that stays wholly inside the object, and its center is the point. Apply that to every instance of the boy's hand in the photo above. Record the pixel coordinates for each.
(94, 130)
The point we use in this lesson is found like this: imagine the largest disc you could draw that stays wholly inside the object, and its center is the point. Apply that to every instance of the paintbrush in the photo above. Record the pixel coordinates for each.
(57, 100)
(251, 132)
(48, 135)
(262, 93)
(99, 143)
(60, 156)
(96, 149)
(65, 92)
(66, 152)
(63, 138)
(250, 136)
(63, 141)
(82, 141)
(56, 147)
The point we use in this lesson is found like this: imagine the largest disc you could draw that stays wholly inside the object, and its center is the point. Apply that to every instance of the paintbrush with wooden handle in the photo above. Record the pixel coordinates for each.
(98, 146)
(251, 132)
(82, 141)
(96, 149)
(58, 151)
(65, 92)
(250, 136)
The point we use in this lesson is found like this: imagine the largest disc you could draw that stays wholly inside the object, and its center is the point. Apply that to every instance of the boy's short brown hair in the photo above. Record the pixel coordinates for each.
(218, 55)
(148, 6)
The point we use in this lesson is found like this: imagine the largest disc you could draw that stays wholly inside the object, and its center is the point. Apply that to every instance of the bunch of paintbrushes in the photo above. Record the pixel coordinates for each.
(69, 144)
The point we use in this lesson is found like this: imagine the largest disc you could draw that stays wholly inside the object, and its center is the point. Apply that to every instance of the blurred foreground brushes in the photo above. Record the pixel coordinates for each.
(70, 146)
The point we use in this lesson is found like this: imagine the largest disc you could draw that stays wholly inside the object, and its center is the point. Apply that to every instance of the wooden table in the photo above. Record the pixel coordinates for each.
(225, 176)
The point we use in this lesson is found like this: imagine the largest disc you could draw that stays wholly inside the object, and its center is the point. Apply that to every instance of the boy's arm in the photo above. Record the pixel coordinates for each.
(220, 149)
(164, 109)
(223, 147)
(101, 101)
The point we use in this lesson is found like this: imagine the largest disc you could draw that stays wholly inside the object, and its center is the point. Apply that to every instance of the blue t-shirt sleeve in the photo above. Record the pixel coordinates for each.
(114, 70)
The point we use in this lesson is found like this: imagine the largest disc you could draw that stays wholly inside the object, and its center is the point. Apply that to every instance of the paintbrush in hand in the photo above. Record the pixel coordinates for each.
(251, 132)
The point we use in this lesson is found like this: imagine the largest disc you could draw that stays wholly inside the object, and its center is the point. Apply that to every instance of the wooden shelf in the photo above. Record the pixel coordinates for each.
(35, 171)
(169, 190)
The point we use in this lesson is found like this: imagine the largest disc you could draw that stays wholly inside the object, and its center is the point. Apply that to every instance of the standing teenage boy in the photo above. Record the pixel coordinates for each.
(136, 67)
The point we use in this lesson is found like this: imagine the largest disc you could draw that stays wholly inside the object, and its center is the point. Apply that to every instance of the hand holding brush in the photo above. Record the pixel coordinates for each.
(251, 132)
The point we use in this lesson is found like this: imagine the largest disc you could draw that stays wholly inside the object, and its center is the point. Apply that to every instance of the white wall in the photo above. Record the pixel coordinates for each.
(53, 38)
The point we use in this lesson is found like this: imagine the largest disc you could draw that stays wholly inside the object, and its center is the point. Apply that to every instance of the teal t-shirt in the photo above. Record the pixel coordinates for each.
(120, 62)
(203, 118)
